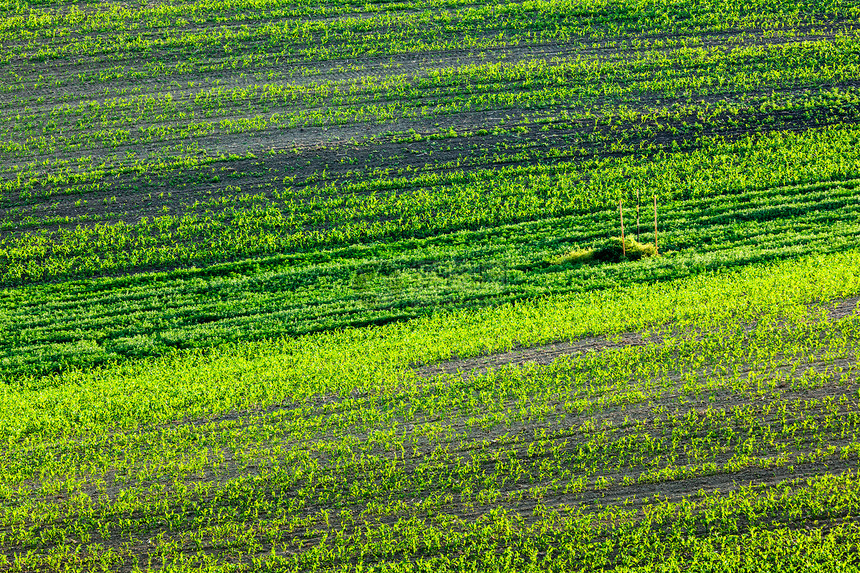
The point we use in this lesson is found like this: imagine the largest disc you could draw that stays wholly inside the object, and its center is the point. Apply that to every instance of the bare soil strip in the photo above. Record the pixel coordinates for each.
(844, 308)
(548, 353)
(544, 354)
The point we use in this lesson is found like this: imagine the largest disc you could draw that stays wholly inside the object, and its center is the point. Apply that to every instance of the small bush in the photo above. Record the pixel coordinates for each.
(609, 251)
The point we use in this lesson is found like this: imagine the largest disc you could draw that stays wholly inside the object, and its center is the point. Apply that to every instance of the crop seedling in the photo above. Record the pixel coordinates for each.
(285, 294)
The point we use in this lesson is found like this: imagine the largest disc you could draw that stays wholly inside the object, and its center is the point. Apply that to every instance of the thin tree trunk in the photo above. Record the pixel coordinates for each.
(655, 225)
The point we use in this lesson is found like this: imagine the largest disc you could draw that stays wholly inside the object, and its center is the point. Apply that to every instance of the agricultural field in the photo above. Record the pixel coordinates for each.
(320, 286)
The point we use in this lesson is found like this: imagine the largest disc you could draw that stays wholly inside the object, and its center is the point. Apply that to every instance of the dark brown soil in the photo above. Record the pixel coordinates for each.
(537, 354)
(547, 353)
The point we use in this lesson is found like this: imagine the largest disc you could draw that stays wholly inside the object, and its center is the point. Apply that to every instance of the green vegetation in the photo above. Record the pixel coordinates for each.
(246, 246)
(330, 451)
(613, 250)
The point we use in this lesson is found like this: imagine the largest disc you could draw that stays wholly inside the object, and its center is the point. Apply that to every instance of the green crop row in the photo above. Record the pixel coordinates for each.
(358, 212)
(328, 451)
(45, 35)
(343, 367)
(534, 84)
(731, 211)
(73, 324)
(719, 69)
(614, 132)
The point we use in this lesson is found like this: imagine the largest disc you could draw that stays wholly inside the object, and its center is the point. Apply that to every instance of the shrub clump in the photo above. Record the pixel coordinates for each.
(609, 251)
